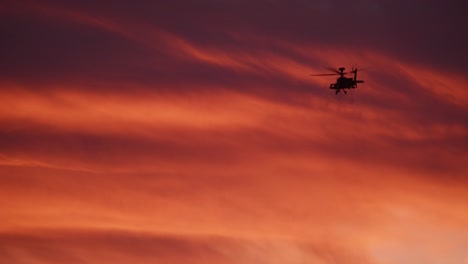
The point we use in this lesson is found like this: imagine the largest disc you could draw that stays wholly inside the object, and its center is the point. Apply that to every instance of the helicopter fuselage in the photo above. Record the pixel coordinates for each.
(345, 83)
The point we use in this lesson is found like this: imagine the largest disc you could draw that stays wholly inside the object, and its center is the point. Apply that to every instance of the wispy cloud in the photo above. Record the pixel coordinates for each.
(134, 134)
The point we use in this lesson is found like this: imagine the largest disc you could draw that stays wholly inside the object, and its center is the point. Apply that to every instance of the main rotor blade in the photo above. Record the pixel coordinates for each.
(324, 74)
(333, 70)
(365, 69)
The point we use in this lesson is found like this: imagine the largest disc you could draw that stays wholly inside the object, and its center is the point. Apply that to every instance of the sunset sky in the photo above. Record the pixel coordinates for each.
(178, 132)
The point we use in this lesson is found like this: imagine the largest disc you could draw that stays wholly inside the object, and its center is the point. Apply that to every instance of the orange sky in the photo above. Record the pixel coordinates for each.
(131, 138)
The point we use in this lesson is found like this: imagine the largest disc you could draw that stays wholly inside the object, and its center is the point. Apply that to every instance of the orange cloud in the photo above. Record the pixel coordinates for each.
(209, 172)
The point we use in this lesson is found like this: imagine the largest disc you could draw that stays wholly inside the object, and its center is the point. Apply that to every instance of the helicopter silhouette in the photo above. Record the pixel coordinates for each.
(342, 82)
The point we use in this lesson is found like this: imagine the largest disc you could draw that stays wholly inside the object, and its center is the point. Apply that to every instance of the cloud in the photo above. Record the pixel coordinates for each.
(221, 125)
(78, 246)
(364, 24)
(134, 132)
(117, 41)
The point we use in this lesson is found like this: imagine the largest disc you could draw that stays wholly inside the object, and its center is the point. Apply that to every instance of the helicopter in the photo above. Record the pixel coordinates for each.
(342, 82)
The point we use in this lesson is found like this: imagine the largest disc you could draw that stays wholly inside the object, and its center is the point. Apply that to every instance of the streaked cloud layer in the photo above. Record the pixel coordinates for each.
(193, 133)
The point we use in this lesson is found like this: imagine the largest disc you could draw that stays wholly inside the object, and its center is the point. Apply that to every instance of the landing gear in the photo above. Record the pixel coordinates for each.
(338, 90)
